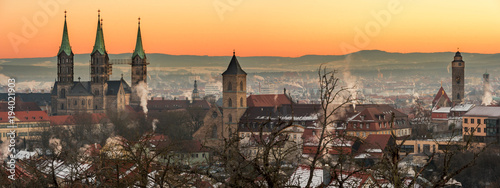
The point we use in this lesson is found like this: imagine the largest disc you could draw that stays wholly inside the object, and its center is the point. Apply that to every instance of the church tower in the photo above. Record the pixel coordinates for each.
(139, 66)
(195, 95)
(234, 96)
(458, 79)
(64, 80)
(65, 58)
(99, 69)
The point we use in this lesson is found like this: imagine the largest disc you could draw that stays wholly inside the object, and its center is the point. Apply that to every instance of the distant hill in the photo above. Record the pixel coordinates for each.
(362, 63)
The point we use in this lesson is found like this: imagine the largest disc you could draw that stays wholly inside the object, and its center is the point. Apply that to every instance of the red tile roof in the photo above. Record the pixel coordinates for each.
(268, 100)
(25, 116)
(441, 93)
(61, 120)
(375, 143)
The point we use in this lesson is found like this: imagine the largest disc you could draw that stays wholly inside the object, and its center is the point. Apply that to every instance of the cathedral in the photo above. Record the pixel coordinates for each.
(100, 93)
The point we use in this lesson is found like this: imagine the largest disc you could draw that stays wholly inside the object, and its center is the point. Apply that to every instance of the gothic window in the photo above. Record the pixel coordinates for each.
(230, 103)
(83, 102)
(230, 118)
(458, 95)
(229, 87)
(241, 102)
(62, 106)
(241, 85)
(89, 102)
(214, 114)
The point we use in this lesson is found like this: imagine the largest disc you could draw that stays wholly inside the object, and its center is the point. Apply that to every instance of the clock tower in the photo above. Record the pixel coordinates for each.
(457, 79)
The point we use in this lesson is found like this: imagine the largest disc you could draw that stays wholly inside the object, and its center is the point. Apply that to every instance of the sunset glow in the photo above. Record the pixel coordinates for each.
(253, 28)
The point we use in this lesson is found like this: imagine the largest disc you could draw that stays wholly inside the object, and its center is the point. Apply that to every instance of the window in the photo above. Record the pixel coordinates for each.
(465, 120)
(62, 106)
(230, 118)
(478, 130)
(214, 114)
(466, 129)
(241, 102)
(229, 87)
(367, 125)
(230, 103)
(472, 121)
(74, 102)
(241, 85)
(83, 102)
(478, 121)
(214, 131)
(458, 96)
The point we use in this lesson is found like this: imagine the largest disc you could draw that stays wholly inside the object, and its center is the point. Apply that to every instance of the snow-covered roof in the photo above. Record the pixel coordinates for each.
(441, 110)
(462, 107)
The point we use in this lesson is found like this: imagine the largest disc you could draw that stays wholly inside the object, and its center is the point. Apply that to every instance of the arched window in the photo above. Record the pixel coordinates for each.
(458, 95)
(241, 85)
(83, 102)
(229, 87)
(230, 118)
(241, 102)
(230, 103)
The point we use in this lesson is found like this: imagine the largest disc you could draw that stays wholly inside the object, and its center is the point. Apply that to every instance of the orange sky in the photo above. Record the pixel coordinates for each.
(253, 28)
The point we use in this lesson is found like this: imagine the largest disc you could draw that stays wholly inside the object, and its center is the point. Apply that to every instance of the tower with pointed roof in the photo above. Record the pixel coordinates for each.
(458, 79)
(94, 96)
(65, 58)
(65, 65)
(195, 95)
(99, 68)
(139, 65)
(234, 96)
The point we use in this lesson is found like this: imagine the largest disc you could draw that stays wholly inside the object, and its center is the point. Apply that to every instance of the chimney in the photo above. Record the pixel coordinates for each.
(327, 177)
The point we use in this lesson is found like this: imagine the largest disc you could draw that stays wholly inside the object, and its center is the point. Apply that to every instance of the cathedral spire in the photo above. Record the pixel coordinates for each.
(99, 38)
(139, 50)
(65, 47)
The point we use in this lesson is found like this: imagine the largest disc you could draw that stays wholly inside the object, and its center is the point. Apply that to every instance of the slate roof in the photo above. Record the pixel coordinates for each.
(234, 67)
(20, 106)
(84, 88)
(80, 89)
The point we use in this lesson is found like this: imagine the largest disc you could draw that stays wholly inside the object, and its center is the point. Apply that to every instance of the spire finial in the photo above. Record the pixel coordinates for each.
(458, 49)
(64, 14)
(139, 20)
(99, 13)
(101, 21)
(234, 52)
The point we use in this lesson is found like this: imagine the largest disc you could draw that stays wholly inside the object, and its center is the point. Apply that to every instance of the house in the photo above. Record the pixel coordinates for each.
(483, 123)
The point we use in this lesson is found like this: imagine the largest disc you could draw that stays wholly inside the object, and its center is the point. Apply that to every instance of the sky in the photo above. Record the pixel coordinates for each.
(289, 28)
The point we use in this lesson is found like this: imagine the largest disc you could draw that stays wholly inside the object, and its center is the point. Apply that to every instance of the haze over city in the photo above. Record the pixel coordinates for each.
(235, 93)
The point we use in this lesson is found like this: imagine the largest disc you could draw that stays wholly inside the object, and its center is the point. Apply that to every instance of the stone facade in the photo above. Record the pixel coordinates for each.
(458, 79)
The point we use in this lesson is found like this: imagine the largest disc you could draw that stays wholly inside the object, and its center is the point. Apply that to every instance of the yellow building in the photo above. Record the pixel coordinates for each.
(482, 122)
(27, 124)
